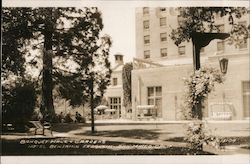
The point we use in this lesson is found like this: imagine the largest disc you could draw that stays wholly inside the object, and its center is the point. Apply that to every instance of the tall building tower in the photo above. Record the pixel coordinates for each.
(153, 27)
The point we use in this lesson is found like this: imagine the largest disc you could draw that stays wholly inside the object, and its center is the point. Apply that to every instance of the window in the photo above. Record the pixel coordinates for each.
(145, 10)
(146, 39)
(243, 43)
(115, 103)
(221, 28)
(162, 9)
(118, 58)
(146, 54)
(146, 24)
(181, 50)
(163, 37)
(180, 20)
(164, 52)
(163, 21)
(114, 81)
(220, 45)
(246, 98)
(155, 98)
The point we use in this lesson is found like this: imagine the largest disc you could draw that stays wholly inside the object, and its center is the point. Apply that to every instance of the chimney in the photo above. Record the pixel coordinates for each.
(118, 59)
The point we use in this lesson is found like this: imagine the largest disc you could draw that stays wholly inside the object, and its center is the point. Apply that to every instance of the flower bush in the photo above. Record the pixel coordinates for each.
(197, 136)
(199, 85)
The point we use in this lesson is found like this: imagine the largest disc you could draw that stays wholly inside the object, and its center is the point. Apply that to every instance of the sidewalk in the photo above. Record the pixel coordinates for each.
(125, 121)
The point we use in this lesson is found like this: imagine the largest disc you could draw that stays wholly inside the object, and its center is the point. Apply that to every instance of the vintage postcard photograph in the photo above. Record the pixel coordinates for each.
(125, 79)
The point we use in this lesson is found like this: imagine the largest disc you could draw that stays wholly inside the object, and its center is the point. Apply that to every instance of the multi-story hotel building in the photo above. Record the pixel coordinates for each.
(160, 66)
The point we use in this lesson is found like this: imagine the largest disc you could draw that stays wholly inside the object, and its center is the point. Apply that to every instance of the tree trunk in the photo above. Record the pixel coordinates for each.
(92, 105)
(47, 83)
(197, 110)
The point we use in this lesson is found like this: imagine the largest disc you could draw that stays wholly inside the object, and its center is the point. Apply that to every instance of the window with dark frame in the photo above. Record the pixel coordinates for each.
(162, 9)
(163, 21)
(146, 24)
(243, 44)
(145, 10)
(163, 36)
(146, 39)
(115, 103)
(146, 54)
(181, 50)
(221, 28)
(164, 52)
(180, 20)
(155, 98)
(115, 81)
(220, 45)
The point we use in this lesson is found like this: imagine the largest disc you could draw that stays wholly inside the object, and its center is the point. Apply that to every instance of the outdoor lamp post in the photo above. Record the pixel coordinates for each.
(200, 40)
(223, 65)
(223, 68)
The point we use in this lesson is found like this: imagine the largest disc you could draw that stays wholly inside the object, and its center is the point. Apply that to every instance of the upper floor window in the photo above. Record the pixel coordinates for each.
(163, 21)
(243, 43)
(115, 81)
(146, 39)
(181, 50)
(146, 24)
(164, 52)
(162, 9)
(180, 20)
(221, 28)
(118, 58)
(220, 45)
(146, 54)
(145, 10)
(163, 37)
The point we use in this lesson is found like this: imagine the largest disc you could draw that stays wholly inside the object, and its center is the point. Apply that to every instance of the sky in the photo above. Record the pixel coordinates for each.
(119, 23)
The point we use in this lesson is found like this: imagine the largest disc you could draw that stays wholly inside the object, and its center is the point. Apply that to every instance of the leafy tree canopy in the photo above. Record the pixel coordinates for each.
(72, 38)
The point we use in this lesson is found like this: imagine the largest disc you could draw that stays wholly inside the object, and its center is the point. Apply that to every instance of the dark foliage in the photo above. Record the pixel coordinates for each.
(18, 102)
(126, 79)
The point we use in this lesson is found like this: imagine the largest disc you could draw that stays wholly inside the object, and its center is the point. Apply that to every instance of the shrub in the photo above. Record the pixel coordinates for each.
(19, 101)
(199, 85)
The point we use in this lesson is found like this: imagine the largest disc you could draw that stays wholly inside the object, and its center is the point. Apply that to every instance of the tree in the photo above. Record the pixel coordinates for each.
(126, 79)
(19, 101)
(65, 43)
(202, 19)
